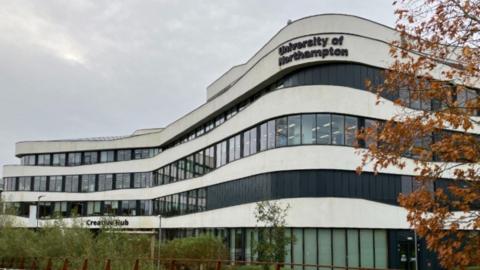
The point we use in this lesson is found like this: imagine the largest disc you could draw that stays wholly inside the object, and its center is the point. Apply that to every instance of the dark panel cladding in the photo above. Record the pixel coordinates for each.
(382, 188)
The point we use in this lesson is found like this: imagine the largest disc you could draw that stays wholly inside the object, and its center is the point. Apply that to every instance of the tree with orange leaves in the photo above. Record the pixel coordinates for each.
(435, 77)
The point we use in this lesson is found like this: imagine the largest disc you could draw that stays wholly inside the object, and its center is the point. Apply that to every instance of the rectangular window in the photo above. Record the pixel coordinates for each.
(250, 142)
(129, 208)
(105, 182)
(59, 159)
(271, 134)
(281, 132)
(107, 156)
(294, 130)
(173, 172)
(43, 160)
(221, 153)
(351, 125)
(181, 169)
(338, 129)
(77, 209)
(371, 127)
(309, 129)
(192, 201)
(71, 183)
(90, 157)
(28, 160)
(74, 159)
(166, 175)
(263, 137)
(201, 199)
(88, 183)
(234, 149)
(339, 248)
(209, 159)
(174, 207)
(40, 183)
(352, 249)
(381, 250)
(366, 248)
(183, 202)
(122, 180)
(25, 183)
(94, 208)
(145, 208)
(60, 209)
(323, 129)
(56, 183)
(110, 208)
(124, 155)
(310, 245)
(142, 180)
(199, 164)
(189, 167)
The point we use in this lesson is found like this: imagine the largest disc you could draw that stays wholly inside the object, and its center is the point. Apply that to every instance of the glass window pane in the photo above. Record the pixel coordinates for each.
(381, 249)
(294, 130)
(366, 248)
(271, 134)
(281, 132)
(310, 247)
(309, 129)
(323, 129)
(339, 248)
(263, 136)
(353, 256)
(298, 248)
(338, 129)
(324, 248)
(351, 124)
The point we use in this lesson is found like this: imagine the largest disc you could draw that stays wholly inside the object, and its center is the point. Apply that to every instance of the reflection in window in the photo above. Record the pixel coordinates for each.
(281, 131)
(24, 183)
(142, 180)
(209, 159)
(94, 208)
(110, 208)
(107, 156)
(250, 142)
(56, 183)
(129, 208)
(90, 157)
(309, 129)
(71, 183)
(59, 159)
(234, 150)
(124, 155)
(122, 180)
(74, 159)
(88, 183)
(105, 182)
(351, 124)
(40, 183)
(323, 129)
(338, 129)
(294, 130)
(43, 160)
(221, 153)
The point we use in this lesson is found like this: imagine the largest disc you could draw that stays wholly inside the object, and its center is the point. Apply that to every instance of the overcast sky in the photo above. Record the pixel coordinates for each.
(89, 68)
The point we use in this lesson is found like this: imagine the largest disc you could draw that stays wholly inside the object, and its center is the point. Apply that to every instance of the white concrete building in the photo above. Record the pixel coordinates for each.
(281, 127)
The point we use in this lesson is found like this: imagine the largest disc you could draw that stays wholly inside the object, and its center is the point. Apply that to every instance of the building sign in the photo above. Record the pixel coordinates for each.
(317, 47)
(107, 222)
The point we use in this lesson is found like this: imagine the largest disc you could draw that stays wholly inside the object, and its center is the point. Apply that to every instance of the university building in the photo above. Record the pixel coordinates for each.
(282, 127)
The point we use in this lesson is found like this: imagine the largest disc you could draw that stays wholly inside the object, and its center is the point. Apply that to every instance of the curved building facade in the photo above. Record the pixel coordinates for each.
(279, 127)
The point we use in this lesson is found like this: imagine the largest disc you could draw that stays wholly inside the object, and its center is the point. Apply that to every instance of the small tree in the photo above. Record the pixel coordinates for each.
(272, 238)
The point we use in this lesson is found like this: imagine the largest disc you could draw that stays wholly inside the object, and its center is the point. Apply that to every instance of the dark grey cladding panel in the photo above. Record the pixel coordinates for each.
(382, 188)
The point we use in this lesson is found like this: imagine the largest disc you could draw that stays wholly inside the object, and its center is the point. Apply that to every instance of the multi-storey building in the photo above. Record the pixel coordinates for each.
(279, 127)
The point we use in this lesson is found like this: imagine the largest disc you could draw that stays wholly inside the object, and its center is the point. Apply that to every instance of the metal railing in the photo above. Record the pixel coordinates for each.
(75, 263)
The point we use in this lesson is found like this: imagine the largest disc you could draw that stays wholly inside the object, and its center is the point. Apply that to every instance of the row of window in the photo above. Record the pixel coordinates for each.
(90, 208)
(80, 183)
(300, 129)
(86, 158)
(177, 204)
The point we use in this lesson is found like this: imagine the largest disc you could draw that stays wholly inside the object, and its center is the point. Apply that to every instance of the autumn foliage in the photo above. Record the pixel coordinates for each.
(435, 70)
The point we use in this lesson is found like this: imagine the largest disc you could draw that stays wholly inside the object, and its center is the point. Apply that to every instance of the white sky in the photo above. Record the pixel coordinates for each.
(88, 68)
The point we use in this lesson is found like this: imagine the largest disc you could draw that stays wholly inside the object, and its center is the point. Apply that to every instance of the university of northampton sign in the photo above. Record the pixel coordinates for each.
(322, 47)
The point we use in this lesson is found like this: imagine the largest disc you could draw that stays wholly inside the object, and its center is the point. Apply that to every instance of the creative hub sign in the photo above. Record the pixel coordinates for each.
(317, 46)
(107, 222)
